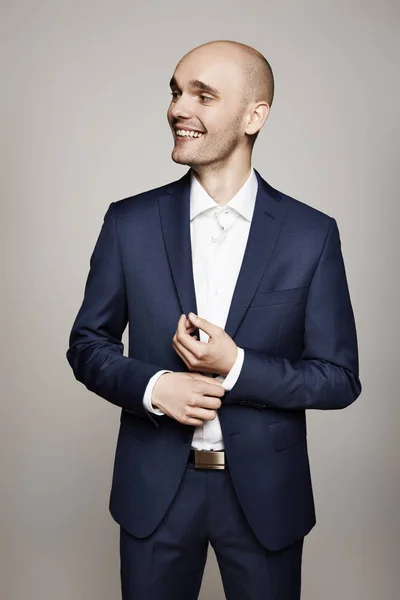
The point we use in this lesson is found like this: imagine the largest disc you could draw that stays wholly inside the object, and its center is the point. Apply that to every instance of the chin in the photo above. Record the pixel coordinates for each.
(180, 160)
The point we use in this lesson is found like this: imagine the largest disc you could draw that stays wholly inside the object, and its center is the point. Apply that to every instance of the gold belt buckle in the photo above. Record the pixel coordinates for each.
(209, 459)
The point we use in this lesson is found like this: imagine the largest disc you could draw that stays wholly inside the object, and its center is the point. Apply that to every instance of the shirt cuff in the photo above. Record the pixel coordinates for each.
(229, 381)
(149, 390)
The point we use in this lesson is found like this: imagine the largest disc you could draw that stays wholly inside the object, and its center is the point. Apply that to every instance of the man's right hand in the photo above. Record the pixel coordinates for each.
(190, 398)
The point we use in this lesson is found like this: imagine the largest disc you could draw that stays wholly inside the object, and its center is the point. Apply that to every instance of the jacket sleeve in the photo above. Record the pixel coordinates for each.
(95, 351)
(326, 375)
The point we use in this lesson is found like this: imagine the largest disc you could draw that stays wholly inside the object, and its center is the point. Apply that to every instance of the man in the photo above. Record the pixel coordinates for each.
(240, 320)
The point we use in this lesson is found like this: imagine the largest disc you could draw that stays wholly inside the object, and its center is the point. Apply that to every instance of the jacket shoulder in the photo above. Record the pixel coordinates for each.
(298, 209)
(140, 200)
(295, 208)
(303, 221)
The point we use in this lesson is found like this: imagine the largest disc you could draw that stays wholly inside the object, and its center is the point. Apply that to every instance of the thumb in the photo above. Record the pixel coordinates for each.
(203, 324)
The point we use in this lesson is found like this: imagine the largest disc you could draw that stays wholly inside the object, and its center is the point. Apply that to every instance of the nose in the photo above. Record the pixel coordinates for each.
(180, 108)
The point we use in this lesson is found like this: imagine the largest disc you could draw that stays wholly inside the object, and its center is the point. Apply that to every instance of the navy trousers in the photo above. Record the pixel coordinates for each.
(169, 564)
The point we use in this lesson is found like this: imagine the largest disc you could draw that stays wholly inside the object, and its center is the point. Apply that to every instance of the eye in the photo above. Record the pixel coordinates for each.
(205, 98)
(173, 94)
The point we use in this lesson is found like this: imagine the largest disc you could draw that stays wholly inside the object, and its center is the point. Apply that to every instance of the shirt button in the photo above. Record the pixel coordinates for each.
(214, 238)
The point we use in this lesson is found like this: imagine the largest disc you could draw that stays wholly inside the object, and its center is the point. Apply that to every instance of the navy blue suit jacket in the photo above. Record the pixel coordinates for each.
(290, 312)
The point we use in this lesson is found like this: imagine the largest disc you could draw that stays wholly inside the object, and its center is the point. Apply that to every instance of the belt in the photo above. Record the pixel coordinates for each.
(208, 459)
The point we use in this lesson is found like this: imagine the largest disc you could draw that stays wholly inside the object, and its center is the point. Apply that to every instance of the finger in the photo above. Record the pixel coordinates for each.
(189, 326)
(209, 380)
(210, 402)
(211, 389)
(185, 355)
(210, 328)
(205, 414)
(189, 342)
(183, 325)
(184, 333)
(195, 422)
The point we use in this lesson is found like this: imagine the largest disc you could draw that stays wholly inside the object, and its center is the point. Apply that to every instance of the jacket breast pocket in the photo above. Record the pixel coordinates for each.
(280, 297)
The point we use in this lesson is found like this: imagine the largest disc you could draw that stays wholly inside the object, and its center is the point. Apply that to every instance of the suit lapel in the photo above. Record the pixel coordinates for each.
(266, 224)
(267, 221)
(174, 208)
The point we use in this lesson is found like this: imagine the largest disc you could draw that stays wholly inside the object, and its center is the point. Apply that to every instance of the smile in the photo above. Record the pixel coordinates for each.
(186, 134)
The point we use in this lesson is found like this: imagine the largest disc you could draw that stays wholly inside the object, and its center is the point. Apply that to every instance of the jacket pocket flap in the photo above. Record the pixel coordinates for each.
(287, 433)
(288, 296)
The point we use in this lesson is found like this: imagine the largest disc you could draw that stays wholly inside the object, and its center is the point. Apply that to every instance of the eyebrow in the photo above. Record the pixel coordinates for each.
(195, 83)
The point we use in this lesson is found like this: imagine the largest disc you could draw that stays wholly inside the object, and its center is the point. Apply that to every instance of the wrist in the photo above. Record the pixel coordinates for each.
(154, 400)
(225, 372)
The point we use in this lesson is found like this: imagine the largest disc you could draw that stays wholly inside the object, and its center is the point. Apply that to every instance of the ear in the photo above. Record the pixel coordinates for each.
(257, 117)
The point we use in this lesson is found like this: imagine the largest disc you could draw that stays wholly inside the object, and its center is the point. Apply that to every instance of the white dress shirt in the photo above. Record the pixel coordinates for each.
(218, 239)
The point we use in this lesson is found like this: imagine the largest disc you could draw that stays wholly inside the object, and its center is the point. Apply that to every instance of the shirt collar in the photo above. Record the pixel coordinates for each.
(243, 201)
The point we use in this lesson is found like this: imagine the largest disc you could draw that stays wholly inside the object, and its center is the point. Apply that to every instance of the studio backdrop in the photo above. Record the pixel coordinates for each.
(84, 100)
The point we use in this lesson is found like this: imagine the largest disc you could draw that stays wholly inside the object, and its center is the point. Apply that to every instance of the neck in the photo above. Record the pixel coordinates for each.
(224, 182)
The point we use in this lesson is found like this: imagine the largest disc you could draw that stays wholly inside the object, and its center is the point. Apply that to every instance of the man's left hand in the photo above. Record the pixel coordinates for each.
(218, 355)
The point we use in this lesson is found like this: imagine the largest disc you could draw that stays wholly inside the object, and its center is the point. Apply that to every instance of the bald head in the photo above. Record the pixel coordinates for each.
(222, 91)
(258, 79)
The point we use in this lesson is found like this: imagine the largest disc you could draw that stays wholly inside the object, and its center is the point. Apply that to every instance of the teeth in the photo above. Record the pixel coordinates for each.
(186, 133)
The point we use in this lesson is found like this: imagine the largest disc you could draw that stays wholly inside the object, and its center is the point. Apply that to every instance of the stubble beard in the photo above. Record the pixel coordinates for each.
(213, 152)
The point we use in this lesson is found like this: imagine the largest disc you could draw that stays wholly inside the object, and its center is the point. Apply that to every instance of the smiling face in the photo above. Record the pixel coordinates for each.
(208, 88)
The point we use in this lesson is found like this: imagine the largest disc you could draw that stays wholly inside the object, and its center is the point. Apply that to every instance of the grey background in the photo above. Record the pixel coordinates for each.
(84, 100)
